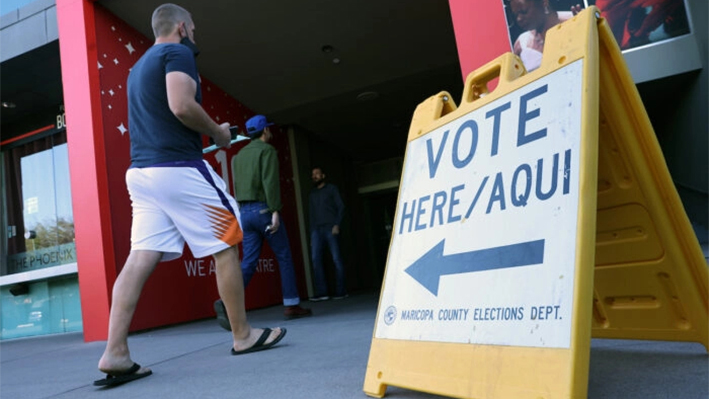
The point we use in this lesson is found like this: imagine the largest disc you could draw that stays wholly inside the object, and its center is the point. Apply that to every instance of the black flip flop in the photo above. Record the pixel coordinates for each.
(129, 375)
(260, 345)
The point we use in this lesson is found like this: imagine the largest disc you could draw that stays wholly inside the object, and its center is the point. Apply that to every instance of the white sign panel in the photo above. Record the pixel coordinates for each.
(484, 245)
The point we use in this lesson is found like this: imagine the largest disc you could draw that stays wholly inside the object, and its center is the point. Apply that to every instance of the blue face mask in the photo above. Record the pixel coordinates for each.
(187, 42)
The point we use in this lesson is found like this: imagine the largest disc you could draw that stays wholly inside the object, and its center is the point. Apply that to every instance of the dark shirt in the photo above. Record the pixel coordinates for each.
(156, 135)
(256, 175)
(326, 207)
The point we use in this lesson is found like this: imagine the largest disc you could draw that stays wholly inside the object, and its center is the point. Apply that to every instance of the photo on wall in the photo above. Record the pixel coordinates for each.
(635, 23)
(528, 22)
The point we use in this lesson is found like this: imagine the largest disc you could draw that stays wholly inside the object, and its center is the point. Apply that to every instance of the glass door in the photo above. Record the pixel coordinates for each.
(40, 222)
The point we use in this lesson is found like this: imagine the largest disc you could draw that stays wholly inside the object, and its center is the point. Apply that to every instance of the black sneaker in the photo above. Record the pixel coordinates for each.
(222, 317)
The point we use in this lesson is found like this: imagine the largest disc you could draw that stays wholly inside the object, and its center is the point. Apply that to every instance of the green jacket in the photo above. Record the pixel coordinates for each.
(255, 171)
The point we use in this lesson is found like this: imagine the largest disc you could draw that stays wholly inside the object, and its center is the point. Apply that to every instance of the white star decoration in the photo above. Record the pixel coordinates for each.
(217, 119)
(113, 28)
(100, 66)
(111, 92)
(122, 129)
(109, 106)
(115, 61)
(130, 48)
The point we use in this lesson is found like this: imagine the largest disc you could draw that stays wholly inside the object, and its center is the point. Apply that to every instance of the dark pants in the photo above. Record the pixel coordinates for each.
(254, 219)
(319, 237)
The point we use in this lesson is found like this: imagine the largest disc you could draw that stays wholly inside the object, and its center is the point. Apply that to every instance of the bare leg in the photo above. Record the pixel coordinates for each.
(126, 292)
(231, 289)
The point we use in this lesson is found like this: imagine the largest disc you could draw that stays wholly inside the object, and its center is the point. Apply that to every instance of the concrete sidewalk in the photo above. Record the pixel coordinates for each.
(322, 357)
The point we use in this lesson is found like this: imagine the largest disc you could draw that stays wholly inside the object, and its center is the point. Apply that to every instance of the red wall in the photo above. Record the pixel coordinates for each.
(89, 189)
(105, 48)
(183, 289)
(480, 32)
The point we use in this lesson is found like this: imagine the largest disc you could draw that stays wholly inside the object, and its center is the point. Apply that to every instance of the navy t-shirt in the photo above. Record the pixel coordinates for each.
(156, 135)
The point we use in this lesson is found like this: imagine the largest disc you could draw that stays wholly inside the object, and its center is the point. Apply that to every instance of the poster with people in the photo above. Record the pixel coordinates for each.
(635, 23)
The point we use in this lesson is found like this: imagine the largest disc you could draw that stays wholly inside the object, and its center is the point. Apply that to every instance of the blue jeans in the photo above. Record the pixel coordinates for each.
(319, 237)
(254, 219)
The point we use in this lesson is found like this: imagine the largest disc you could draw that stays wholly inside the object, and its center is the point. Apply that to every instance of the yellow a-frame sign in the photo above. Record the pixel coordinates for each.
(528, 218)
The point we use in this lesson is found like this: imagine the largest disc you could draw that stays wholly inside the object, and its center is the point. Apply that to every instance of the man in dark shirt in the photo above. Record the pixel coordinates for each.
(166, 120)
(257, 188)
(326, 209)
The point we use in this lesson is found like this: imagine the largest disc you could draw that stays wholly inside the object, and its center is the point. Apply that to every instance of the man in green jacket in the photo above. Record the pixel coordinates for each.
(257, 190)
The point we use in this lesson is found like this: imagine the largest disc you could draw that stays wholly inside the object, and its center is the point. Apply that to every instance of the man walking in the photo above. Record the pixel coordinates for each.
(326, 210)
(257, 188)
(166, 121)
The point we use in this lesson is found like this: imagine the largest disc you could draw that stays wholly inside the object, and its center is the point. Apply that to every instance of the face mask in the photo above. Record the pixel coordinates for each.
(187, 42)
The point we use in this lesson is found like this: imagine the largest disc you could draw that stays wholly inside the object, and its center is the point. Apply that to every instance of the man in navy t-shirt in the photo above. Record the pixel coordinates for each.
(175, 195)
(150, 114)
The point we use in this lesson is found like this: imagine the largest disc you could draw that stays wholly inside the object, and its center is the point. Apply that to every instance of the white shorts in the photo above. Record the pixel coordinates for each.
(177, 204)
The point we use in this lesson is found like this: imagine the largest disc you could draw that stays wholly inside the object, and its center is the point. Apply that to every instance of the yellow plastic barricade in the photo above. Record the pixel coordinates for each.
(529, 217)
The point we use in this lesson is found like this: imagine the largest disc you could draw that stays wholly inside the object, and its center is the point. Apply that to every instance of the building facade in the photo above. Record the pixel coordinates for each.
(65, 221)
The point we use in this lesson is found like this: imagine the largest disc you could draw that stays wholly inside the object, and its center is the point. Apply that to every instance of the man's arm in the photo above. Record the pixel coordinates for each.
(181, 91)
(271, 186)
(270, 180)
(340, 206)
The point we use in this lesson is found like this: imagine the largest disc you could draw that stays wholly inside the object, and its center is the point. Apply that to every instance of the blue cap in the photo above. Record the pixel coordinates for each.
(256, 124)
